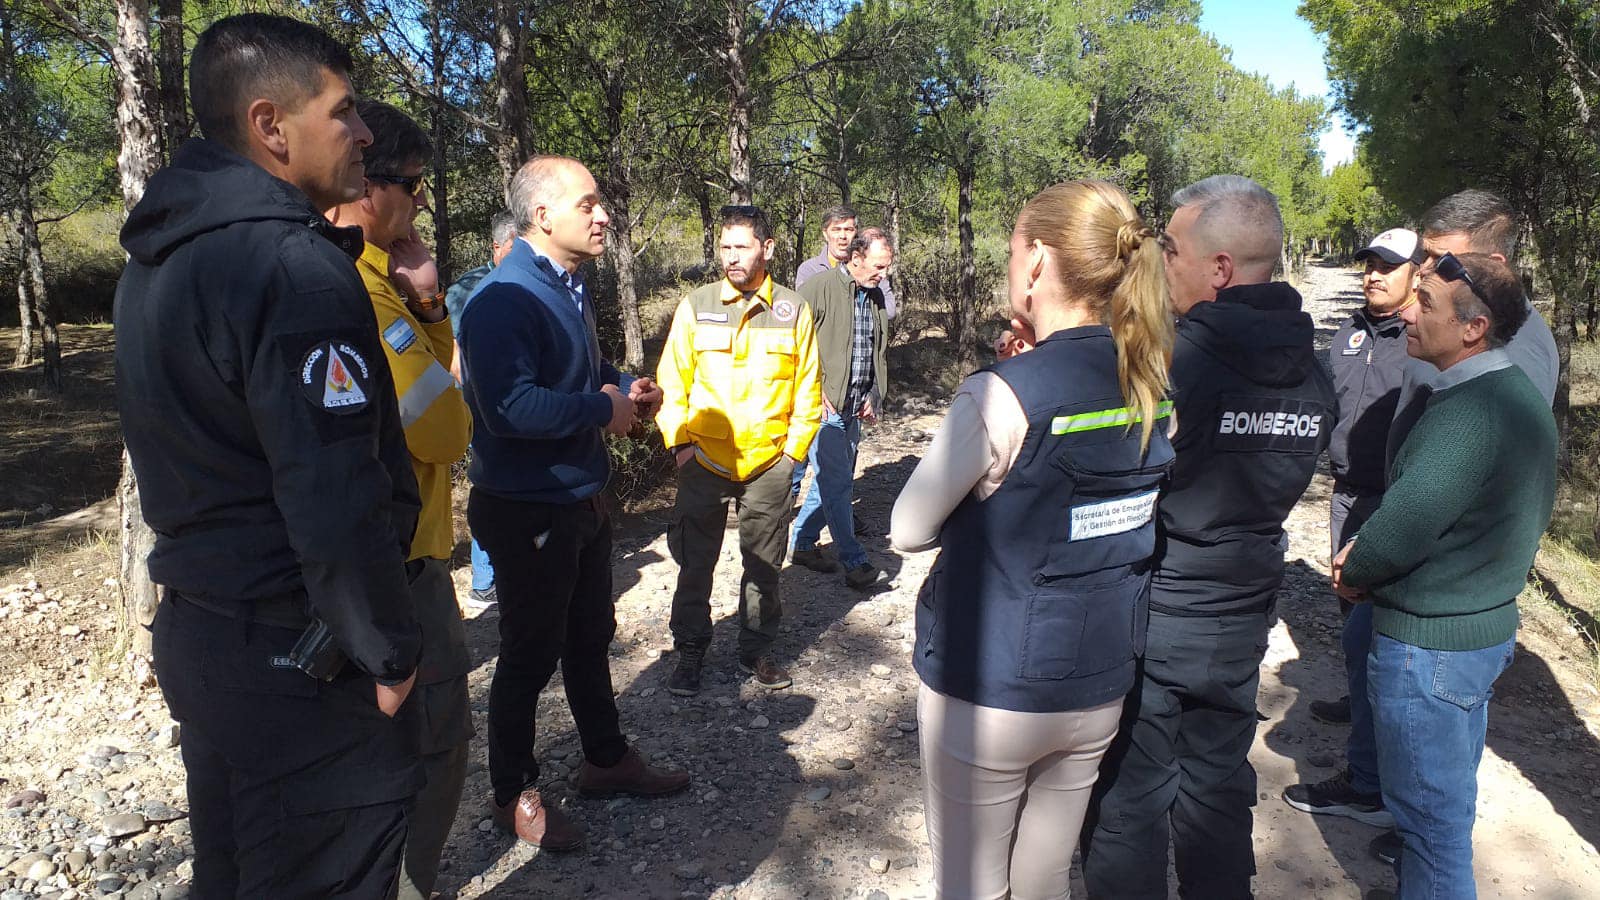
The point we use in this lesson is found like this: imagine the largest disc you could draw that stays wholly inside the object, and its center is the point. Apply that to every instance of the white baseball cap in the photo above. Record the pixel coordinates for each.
(1395, 246)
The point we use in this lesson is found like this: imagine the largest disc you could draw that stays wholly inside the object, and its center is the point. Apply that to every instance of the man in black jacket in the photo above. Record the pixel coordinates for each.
(1254, 408)
(261, 419)
(1368, 360)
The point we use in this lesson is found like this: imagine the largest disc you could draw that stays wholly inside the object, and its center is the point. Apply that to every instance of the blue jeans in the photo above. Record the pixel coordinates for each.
(482, 572)
(1430, 714)
(833, 454)
(1361, 748)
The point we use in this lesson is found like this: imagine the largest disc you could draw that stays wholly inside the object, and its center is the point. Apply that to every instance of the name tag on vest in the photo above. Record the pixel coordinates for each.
(1124, 514)
(1256, 424)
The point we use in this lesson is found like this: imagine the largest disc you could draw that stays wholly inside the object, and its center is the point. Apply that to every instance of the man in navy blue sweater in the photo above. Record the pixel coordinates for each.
(540, 395)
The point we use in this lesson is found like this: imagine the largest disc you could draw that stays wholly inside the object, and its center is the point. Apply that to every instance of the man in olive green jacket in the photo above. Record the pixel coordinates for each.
(852, 342)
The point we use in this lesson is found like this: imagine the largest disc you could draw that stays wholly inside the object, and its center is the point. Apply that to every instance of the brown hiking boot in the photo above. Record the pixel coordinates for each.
(631, 775)
(545, 827)
(766, 671)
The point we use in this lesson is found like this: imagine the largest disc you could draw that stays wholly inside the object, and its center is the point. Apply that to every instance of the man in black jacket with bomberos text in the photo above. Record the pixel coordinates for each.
(1254, 409)
(261, 419)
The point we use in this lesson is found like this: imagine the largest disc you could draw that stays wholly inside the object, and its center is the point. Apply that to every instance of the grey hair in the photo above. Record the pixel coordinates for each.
(1487, 220)
(539, 182)
(1237, 216)
(502, 227)
(866, 237)
(837, 214)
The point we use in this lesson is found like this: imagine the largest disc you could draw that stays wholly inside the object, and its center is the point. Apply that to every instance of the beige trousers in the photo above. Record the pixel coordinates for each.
(1006, 793)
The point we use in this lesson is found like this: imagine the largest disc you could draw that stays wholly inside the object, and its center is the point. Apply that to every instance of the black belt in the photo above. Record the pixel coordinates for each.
(280, 611)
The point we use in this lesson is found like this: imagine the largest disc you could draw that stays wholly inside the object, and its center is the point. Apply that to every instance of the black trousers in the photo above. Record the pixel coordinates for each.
(1180, 766)
(552, 565)
(297, 788)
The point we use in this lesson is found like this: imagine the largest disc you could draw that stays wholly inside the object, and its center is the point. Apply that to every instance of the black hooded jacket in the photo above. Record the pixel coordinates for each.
(1254, 408)
(258, 408)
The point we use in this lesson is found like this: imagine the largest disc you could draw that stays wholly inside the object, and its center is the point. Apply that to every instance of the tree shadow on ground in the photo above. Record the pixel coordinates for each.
(1310, 611)
(1533, 726)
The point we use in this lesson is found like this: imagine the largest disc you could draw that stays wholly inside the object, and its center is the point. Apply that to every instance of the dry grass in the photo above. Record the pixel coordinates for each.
(60, 452)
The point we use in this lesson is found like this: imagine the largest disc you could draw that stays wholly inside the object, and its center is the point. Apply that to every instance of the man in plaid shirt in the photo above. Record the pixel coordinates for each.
(852, 338)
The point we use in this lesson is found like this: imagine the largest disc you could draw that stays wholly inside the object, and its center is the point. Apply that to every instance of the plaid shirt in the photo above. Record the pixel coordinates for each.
(860, 385)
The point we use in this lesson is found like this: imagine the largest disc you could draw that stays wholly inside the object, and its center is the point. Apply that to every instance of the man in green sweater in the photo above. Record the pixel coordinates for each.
(1443, 559)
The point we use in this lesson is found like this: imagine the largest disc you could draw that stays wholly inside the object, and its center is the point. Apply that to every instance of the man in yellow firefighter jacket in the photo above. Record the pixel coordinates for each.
(742, 401)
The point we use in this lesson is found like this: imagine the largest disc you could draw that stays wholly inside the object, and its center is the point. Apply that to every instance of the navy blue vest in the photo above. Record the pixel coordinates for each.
(1039, 598)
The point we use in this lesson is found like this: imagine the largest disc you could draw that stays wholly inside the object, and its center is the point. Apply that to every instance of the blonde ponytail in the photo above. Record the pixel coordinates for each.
(1109, 258)
(1141, 328)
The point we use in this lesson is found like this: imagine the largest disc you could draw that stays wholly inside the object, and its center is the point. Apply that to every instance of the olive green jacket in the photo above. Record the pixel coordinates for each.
(832, 298)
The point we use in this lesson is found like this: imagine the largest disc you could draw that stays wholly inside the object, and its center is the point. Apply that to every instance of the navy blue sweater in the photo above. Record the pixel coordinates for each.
(532, 373)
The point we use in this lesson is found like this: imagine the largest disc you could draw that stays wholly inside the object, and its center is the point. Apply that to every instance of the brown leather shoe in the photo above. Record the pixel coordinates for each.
(767, 672)
(545, 827)
(630, 776)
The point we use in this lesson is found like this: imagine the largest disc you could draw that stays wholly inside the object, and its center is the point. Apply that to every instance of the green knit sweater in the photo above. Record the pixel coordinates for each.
(1445, 556)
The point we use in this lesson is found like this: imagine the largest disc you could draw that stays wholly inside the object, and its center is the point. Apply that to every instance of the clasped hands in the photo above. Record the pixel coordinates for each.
(641, 402)
(1353, 594)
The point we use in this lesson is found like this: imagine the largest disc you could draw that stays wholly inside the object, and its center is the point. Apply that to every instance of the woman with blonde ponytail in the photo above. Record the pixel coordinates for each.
(1040, 489)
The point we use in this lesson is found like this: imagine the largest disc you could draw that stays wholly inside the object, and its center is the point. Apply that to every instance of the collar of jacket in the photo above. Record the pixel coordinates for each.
(347, 238)
(377, 258)
(1386, 325)
(525, 259)
(1270, 295)
(763, 294)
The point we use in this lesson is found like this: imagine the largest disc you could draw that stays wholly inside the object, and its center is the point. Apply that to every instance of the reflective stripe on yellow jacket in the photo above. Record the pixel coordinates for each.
(740, 378)
(432, 409)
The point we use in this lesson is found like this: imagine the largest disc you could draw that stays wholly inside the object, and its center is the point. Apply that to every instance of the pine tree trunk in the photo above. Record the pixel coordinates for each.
(25, 336)
(967, 281)
(137, 160)
(512, 145)
(440, 177)
(619, 251)
(708, 225)
(32, 272)
(170, 71)
(137, 125)
(739, 103)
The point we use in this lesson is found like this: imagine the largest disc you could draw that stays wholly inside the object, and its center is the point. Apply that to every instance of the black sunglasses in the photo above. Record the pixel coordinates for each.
(413, 184)
(739, 210)
(1450, 269)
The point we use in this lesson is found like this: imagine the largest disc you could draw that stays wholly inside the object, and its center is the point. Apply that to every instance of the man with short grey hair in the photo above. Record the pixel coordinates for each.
(1254, 409)
(838, 230)
(542, 399)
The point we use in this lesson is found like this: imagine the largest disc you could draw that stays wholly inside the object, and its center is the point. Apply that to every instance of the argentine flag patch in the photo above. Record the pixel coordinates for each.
(399, 335)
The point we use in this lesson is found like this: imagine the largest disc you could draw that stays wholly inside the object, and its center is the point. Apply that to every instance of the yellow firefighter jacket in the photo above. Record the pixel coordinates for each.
(432, 409)
(740, 378)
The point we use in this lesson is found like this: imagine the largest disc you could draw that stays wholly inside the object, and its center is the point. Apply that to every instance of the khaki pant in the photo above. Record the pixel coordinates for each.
(1006, 793)
(695, 539)
(445, 723)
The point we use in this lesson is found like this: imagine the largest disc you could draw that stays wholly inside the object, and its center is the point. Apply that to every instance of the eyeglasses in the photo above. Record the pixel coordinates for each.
(1450, 269)
(739, 210)
(413, 184)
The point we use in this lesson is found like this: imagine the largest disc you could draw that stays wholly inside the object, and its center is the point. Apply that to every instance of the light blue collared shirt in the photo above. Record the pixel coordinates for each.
(573, 281)
(1470, 368)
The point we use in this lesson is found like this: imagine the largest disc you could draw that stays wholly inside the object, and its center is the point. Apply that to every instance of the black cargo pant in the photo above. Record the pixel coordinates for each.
(297, 788)
(1180, 765)
(552, 574)
(695, 539)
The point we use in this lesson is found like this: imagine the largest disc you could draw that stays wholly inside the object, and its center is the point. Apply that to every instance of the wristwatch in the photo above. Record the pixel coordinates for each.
(429, 303)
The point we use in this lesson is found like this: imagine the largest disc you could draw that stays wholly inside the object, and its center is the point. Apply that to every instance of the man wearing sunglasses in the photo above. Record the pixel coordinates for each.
(1474, 221)
(1444, 557)
(403, 284)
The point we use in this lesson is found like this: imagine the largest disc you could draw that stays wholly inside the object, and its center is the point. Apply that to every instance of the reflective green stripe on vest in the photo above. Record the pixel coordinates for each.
(1105, 418)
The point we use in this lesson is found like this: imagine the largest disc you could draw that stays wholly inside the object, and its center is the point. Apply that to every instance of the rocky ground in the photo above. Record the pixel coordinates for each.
(808, 792)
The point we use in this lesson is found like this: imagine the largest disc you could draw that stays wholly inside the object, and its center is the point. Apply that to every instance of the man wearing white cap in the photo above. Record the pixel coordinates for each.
(1368, 359)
